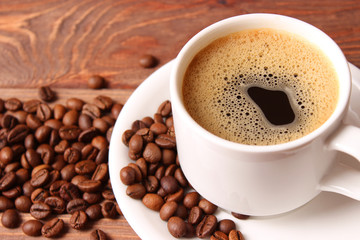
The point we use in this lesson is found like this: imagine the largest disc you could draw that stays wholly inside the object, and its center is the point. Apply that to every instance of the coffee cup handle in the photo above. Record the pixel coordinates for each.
(342, 178)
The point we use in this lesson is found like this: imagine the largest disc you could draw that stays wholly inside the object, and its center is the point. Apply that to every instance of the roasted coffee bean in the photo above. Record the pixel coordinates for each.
(20, 115)
(92, 198)
(84, 121)
(103, 102)
(101, 125)
(182, 212)
(127, 175)
(158, 128)
(240, 216)
(136, 125)
(89, 152)
(23, 204)
(56, 204)
(27, 189)
(7, 181)
(40, 210)
(208, 207)
(13, 104)
(148, 61)
(169, 184)
(6, 155)
(96, 82)
(191, 199)
(33, 122)
(206, 227)
(8, 121)
(177, 227)
(101, 173)
(88, 134)
(116, 109)
(69, 191)
(56, 186)
(53, 123)
(78, 220)
(22, 175)
(12, 167)
(12, 193)
(54, 138)
(59, 163)
(32, 227)
(226, 225)
(126, 136)
(30, 141)
(165, 108)
(218, 235)
(236, 235)
(52, 228)
(77, 204)
(170, 170)
(59, 111)
(180, 177)
(169, 122)
(97, 235)
(136, 191)
(39, 195)
(153, 201)
(68, 172)
(91, 110)
(151, 184)
(30, 159)
(70, 118)
(40, 178)
(61, 146)
(108, 209)
(146, 134)
(46, 94)
(168, 157)
(109, 195)
(43, 112)
(94, 212)
(138, 174)
(141, 163)
(90, 185)
(102, 156)
(46, 152)
(165, 141)
(85, 167)
(10, 218)
(5, 203)
(195, 215)
(54, 175)
(72, 155)
(152, 153)
(78, 179)
(30, 106)
(177, 196)
(99, 142)
(70, 133)
(75, 104)
(17, 134)
(3, 137)
(160, 172)
(168, 210)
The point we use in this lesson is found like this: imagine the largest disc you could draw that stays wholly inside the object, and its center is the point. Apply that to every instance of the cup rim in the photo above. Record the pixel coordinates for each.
(176, 84)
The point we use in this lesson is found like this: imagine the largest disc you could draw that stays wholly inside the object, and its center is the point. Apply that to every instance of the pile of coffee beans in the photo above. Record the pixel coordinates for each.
(155, 178)
(53, 161)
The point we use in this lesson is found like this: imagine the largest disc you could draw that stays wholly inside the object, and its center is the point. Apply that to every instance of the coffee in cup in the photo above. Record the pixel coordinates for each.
(260, 87)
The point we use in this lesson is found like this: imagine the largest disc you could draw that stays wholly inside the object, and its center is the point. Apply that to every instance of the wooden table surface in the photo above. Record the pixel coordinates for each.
(61, 43)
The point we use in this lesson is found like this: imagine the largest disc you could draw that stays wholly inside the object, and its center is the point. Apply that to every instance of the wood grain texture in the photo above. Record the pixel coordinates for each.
(62, 43)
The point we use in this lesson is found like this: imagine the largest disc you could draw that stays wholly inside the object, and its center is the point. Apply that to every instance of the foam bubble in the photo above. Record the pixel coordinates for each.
(216, 82)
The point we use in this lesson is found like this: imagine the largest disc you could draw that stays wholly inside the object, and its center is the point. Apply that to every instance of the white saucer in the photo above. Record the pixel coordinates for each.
(329, 216)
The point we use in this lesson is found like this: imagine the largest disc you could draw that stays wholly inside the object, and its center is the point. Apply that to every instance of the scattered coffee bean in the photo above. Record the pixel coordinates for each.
(148, 61)
(226, 225)
(94, 212)
(153, 201)
(240, 216)
(40, 210)
(23, 203)
(32, 227)
(52, 228)
(46, 94)
(97, 235)
(218, 235)
(177, 227)
(236, 235)
(96, 82)
(78, 220)
(10, 218)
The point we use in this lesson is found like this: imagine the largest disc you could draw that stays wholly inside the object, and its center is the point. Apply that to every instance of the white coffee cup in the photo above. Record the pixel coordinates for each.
(266, 180)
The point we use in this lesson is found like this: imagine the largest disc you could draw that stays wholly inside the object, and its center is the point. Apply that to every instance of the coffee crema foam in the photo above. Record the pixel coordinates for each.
(216, 83)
